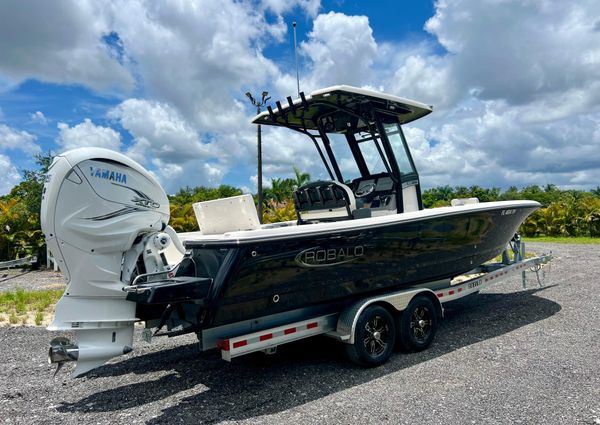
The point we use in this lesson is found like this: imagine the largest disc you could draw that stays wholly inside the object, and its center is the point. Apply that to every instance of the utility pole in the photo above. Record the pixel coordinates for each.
(259, 104)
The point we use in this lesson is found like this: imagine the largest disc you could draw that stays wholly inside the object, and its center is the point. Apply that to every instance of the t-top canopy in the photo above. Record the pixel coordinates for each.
(303, 113)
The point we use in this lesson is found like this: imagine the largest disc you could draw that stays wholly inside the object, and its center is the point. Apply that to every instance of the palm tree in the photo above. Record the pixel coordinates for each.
(10, 210)
(301, 178)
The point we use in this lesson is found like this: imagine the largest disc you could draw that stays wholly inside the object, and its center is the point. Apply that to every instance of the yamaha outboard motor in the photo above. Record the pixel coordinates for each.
(105, 220)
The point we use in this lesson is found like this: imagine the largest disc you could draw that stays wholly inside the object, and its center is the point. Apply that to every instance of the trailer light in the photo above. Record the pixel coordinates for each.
(223, 344)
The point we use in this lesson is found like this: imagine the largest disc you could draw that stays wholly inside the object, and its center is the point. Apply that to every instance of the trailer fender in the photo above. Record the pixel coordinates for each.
(395, 302)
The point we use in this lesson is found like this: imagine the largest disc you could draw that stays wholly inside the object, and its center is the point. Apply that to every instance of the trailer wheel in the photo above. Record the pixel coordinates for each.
(418, 324)
(374, 337)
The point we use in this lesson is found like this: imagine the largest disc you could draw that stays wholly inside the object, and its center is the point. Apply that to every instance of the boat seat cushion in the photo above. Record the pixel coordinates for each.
(223, 215)
(324, 201)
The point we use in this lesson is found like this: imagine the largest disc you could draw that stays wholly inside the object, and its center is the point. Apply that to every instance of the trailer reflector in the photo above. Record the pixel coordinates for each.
(289, 331)
(265, 337)
(312, 325)
(239, 344)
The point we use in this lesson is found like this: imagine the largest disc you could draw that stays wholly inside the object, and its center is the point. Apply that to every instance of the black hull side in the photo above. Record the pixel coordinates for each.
(274, 276)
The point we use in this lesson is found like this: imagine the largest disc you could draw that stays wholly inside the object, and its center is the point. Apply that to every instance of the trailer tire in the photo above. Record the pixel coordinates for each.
(417, 324)
(374, 337)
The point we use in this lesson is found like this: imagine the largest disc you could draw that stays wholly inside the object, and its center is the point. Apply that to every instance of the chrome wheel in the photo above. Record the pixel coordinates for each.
(420, 324)
(376, 336)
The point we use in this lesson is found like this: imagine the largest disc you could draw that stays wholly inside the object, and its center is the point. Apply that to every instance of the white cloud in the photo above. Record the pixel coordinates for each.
(514, 107)
(60, 43)
(519, 50)
(424, 77)
(11, 139)
(39, 117)
(87, 134)
(341, 49)
(166, 142)
(9, 173)
(484, 131)
(284, 149)
(311, 7)
(198, 56)
(491, 145)
(159, 131)
(195, 172)
(266, 183)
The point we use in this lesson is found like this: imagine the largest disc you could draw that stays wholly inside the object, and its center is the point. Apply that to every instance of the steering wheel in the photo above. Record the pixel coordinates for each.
(364, 190)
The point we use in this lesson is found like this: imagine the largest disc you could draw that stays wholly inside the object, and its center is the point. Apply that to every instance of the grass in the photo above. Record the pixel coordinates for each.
(39, 318)
(27, 306)
(566, 240)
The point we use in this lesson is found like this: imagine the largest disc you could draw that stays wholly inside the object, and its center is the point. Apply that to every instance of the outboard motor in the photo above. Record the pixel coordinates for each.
(105, 220)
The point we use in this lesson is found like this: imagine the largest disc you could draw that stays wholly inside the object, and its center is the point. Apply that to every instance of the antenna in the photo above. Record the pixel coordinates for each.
(296, 55)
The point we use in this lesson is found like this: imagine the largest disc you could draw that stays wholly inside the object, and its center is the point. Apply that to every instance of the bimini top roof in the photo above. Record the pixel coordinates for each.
(303, 113)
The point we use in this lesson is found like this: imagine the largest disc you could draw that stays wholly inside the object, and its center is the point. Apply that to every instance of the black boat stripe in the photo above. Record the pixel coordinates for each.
(122, 211)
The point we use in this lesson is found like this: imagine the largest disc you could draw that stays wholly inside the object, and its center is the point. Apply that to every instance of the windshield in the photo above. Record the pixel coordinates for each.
(392, 131)
(344, 157)
(370, 148)
(358, 149)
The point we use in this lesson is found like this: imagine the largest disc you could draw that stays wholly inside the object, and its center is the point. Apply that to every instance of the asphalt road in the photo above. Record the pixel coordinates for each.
(505, 356)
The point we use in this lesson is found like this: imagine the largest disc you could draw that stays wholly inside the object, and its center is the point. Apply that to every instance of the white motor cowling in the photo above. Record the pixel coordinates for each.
(98, 207)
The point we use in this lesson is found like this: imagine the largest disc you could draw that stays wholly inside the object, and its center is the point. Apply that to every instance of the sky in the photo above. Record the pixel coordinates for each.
(515, 84)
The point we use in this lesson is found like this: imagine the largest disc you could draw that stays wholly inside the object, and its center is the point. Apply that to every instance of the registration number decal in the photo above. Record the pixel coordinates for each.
(475, 284)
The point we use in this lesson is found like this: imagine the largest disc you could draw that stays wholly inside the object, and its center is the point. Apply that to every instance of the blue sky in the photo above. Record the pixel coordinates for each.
(515, 84)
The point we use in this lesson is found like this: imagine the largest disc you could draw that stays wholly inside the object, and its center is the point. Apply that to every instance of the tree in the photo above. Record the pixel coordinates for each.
(280, 190)
(301, 178)
(188, 194)
(437, 196)
(276, 212)
(29, 191)
(183, 218)
(20, 213)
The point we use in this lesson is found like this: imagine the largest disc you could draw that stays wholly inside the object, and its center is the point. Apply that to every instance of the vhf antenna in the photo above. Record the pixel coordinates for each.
(296, 55)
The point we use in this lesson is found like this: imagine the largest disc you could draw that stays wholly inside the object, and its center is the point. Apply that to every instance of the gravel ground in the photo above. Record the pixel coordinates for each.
(30, 280)
(504, 356)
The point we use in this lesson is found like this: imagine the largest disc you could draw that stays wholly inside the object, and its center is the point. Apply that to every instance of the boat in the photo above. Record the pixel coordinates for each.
(362, 231)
